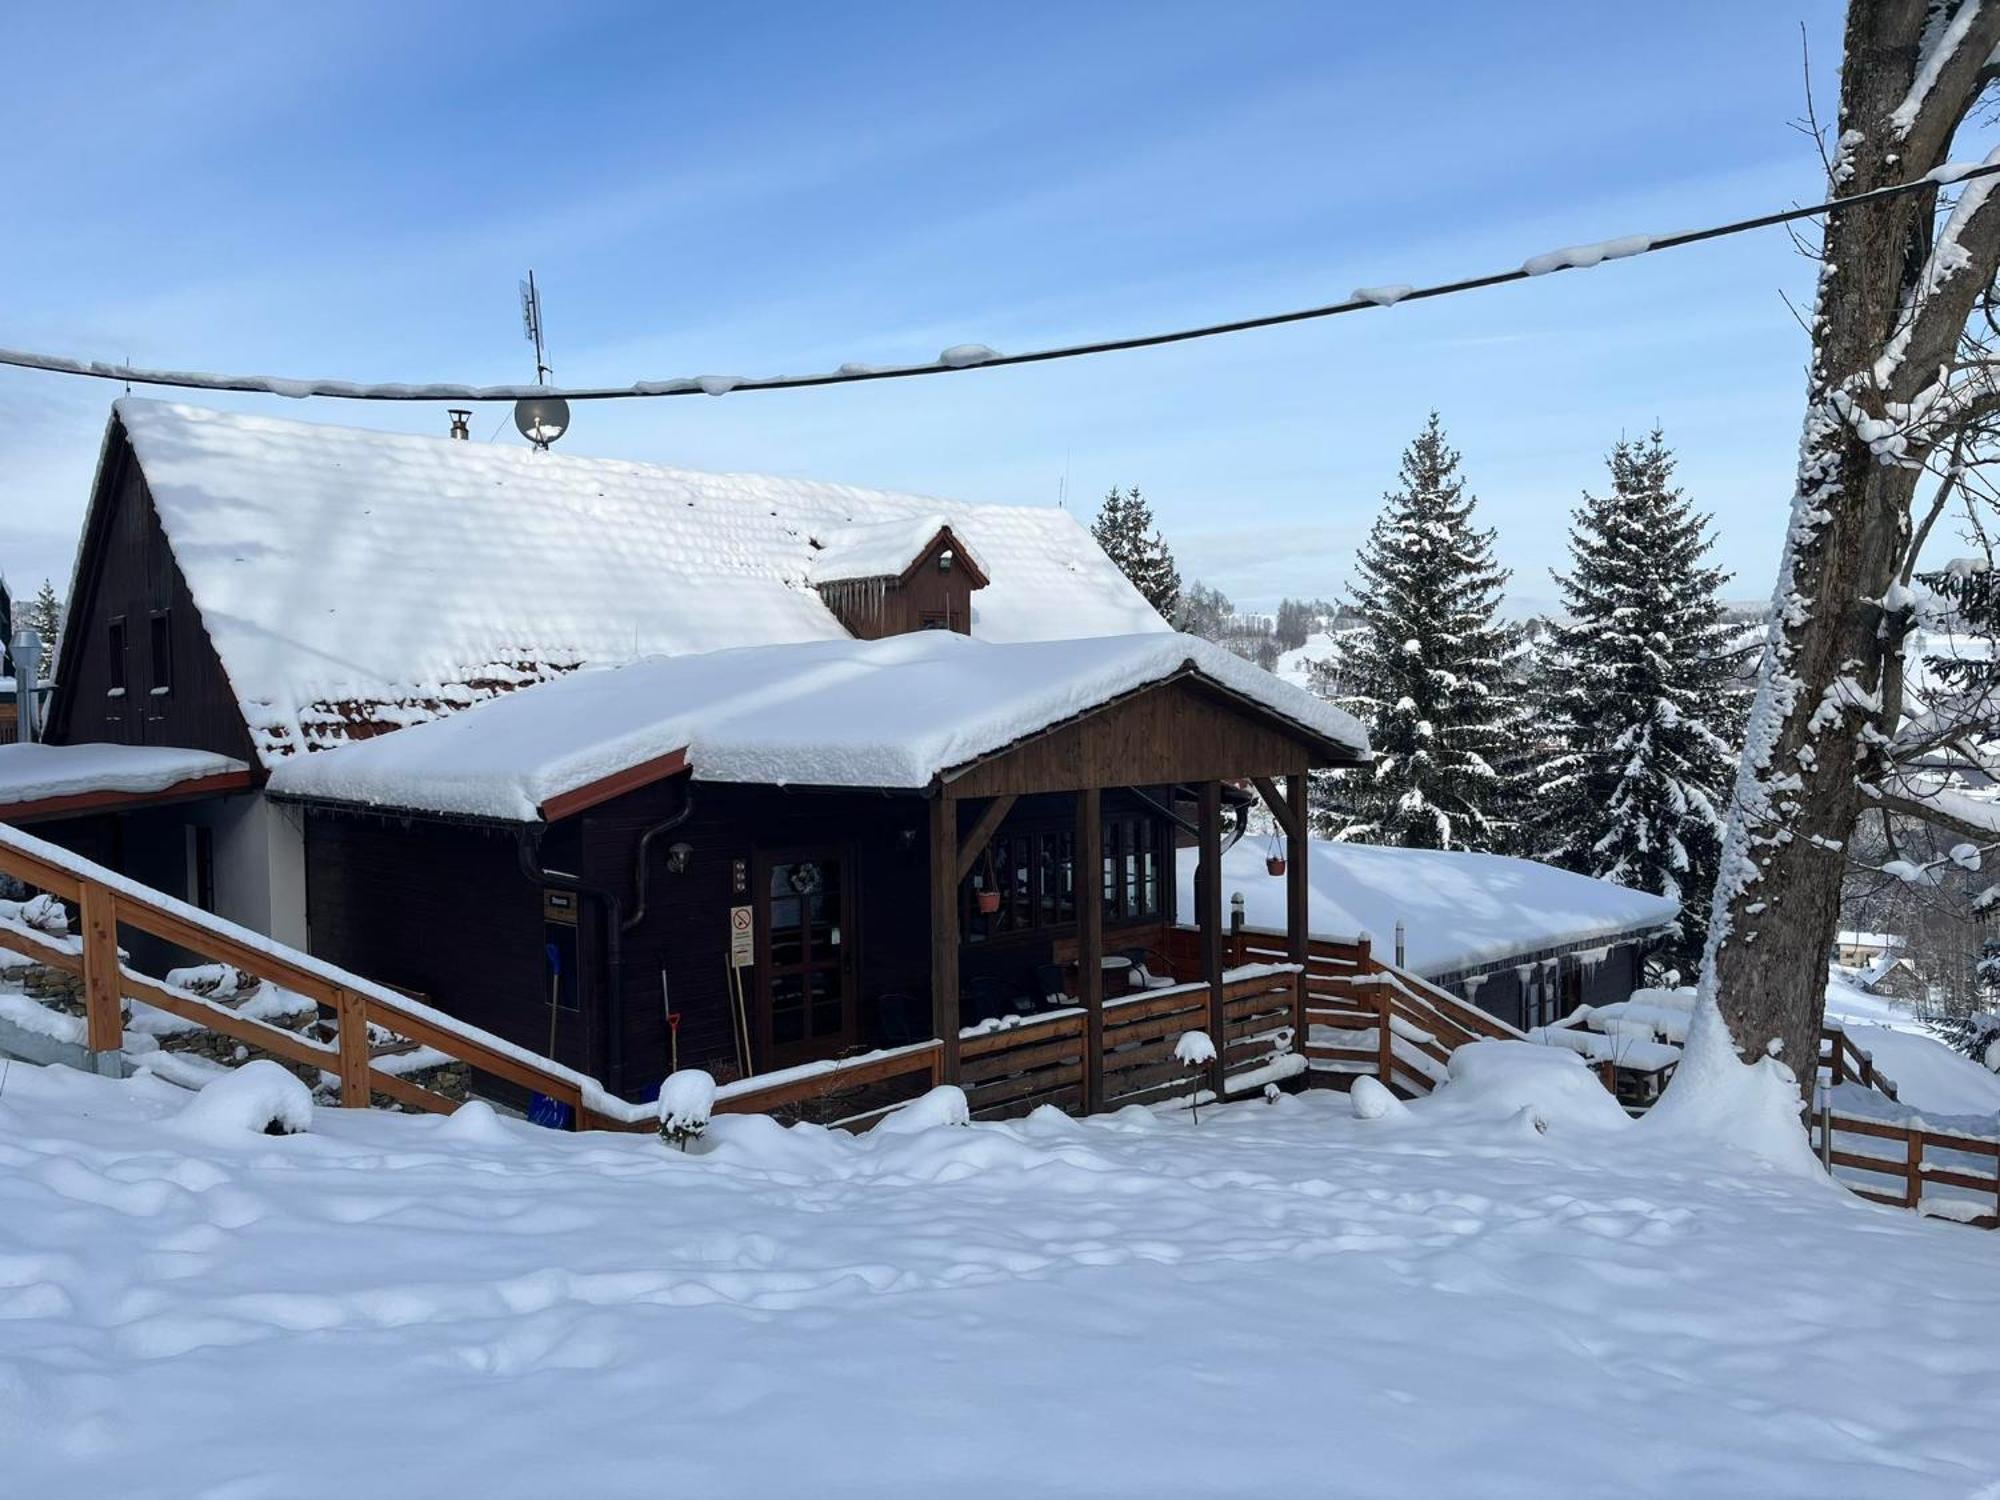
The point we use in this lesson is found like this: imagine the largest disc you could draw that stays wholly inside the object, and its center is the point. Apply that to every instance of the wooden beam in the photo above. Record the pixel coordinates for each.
(944, 930)
(1279, 805)
(1298, 892)
(1087, 890)
(351, 1016)
(990, 819)
(1208, 903)
(103, 997)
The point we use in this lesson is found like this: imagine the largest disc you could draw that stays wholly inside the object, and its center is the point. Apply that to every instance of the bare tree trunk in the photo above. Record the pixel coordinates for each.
(1888, 318)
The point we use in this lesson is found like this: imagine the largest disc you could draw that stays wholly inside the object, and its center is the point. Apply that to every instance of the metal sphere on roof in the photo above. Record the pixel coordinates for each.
(542, 419)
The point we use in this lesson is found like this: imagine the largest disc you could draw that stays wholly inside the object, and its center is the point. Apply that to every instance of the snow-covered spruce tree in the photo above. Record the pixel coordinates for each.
(1124, 529)
(1897, 384)
(1428, 672)
(1643, 712)
(43, 615)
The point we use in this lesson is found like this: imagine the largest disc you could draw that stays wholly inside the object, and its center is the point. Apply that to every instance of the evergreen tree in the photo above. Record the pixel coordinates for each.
(1428, 671)
(1644, 709)
(1124, 529)
(43, 615)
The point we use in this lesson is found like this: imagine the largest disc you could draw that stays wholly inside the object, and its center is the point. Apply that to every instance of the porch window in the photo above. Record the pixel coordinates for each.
(114, 657)
(160, 639)
(1029, 880)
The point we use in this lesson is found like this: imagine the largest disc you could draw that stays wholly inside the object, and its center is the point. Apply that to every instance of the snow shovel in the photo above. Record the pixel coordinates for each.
(542, 1110)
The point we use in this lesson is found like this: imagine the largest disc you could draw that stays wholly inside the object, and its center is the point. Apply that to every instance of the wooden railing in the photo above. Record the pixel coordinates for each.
(1360, 1015)
(1918, 1157)
(350, 1007)
(813, 1086)
(1010, 1069)
(1844, 1061)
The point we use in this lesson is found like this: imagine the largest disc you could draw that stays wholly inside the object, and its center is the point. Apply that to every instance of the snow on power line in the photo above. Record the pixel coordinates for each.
(971, 356)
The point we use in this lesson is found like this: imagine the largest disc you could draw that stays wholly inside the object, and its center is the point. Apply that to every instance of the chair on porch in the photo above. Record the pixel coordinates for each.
(1052, 987)
(901, 1020)
(1150, 969)
(989, 999)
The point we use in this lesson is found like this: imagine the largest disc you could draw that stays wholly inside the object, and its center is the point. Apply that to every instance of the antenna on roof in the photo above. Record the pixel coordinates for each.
(541, 419)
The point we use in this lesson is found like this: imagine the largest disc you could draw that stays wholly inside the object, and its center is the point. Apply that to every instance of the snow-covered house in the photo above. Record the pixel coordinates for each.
(1523, 941)
(570, 746)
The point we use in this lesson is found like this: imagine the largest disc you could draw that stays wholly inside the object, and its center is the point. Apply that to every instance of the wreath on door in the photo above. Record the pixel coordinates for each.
(805, 878)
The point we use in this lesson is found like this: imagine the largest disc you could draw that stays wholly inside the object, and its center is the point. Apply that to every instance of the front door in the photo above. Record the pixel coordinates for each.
(805, 937)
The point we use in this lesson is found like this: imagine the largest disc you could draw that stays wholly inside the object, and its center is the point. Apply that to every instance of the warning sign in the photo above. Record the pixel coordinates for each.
(742, 944)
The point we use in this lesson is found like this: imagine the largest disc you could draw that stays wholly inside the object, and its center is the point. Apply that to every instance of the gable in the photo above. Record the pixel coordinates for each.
(127, 580)
(358, 581)
(1184, 729)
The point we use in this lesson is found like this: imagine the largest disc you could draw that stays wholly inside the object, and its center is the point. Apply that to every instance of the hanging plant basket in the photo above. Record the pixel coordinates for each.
(1275, 863)
(988, 902)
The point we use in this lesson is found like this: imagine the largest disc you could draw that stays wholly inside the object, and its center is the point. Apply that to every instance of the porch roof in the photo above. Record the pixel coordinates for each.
(892, 714)
(42, 781)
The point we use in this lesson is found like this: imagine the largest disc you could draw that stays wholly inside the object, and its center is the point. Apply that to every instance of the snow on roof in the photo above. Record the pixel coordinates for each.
(352, 576)
(881, 549)
(37, 772)
(1459, 911)
(887, 713)
(1847, 938)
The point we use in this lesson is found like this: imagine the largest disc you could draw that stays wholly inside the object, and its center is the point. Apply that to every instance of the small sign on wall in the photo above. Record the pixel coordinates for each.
(741, 938)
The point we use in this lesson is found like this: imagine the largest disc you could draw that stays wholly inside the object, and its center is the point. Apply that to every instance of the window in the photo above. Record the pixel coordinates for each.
(1027, 879)
(114, 657)
(160, 637)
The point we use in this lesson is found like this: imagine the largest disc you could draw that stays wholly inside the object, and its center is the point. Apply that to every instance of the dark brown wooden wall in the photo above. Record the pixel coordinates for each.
(130, 571)
(871, 609)
(442, 910)
(686, 927)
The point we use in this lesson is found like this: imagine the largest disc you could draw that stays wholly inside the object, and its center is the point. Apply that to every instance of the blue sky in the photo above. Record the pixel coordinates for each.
(355, 190)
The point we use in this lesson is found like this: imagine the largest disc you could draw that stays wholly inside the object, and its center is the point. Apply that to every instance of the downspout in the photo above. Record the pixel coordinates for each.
(645, 848)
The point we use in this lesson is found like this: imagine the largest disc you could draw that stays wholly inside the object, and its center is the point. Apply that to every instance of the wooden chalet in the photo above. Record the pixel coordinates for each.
(639, 768)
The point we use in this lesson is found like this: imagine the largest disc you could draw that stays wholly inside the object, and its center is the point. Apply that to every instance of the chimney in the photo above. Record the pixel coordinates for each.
(27, 682)
(461, 424)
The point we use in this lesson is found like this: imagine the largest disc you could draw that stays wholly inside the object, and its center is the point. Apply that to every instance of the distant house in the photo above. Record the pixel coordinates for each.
(1523, 941)
(1855, 949)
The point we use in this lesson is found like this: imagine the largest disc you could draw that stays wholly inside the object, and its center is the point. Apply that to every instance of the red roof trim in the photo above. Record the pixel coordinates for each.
(217, 785)
(591, 794)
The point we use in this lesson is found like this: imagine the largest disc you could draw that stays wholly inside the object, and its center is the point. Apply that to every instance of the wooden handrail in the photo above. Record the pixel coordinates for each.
(105, 903)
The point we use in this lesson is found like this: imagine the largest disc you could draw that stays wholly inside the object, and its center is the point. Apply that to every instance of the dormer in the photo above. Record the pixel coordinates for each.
(893, 577)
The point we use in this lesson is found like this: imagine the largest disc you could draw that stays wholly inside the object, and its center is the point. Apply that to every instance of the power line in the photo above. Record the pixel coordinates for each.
(977, 356)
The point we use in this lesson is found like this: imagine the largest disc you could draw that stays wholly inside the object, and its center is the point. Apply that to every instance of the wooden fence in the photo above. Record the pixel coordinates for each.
(1010, 1069)
(1361, 1016)
(1844, 1062)
(1897, 1162)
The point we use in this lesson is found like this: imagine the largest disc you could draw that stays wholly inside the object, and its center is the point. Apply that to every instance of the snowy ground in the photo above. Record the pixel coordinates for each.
(1279, 1300)
(1928, 1075)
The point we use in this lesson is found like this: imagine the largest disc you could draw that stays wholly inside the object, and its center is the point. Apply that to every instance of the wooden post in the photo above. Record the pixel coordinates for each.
(1209, 902)
(1835, 1040)
(1913, 1170)
(351, 1016)
(1385, 1050)
(1298, 940)
(103, 989)
(944, 930)
(1088, 893)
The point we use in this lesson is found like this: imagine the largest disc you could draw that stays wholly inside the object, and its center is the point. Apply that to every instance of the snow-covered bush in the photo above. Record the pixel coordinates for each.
(44, 914)
(259, 1097)
(944, 1105)
(687, 1099)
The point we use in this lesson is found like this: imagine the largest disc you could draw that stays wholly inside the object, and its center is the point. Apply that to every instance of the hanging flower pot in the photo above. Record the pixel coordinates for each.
(988, 902)
(1275, 863)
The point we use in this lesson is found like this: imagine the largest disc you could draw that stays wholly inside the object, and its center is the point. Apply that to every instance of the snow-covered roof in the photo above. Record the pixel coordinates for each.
(348, 576)
(1847, 938)
(882, 549)
(889, 713)
(40, 773)
(1459, 911)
